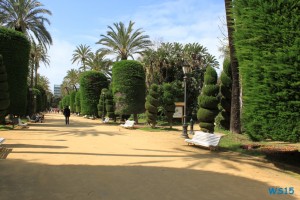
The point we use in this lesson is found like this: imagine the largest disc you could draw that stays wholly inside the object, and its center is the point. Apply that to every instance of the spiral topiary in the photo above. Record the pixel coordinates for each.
(208, 101)
(109, 104)
(152, 104)
(168, 99)
(101, 105)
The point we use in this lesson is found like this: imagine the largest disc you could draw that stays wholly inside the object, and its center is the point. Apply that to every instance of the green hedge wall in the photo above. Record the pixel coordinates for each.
(208, 101)
(72, 101)
(91, 84)
(151, 105)
(128, 80)
(77, 102)
(15, 49)
(268, 49)
(4, 94)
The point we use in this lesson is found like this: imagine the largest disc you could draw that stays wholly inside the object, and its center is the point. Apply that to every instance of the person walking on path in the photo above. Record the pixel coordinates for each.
(67, 113)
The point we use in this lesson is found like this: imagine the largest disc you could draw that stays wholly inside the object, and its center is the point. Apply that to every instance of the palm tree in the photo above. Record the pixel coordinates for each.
(124, 41)
(235, 122)
(81, 54)
(98, 62)
(38, 54)
(26, 16)
(72, 78)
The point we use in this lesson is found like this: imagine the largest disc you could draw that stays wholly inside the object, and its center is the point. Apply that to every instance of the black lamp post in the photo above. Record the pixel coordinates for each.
(186, 69)
(103, 98)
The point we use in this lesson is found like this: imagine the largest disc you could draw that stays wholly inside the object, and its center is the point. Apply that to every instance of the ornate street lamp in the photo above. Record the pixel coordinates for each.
(186, 69)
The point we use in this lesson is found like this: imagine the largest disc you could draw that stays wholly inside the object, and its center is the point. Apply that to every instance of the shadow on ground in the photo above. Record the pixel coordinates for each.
(24, 180)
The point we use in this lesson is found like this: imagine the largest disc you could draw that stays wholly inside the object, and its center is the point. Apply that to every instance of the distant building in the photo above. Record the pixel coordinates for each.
(57, 92)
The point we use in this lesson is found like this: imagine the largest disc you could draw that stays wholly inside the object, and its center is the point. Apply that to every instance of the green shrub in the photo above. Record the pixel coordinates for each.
(91, 84)
(168, 102)
(109, 104)
(208, 101)
(15, 49)
(267, 46)
(4, 94)
(101, 105)
(225, 92)
(128, 80)
(72, 101)
(77, 102)
(151, 105)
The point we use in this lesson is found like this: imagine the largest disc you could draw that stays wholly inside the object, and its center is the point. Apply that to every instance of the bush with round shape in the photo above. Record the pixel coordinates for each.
(128, 80)
(109, 104)
(168, 101)
(91, 84)
(101, 105)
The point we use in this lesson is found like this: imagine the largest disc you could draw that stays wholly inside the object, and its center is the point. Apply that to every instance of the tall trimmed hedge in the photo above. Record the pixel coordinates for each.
(91, 84)
(151, 105)
(72, 101)
(4, 95)
(225, 91)
(208, 101)
(268, 49)
(129, 87)
(168, 101)
(77, 102)
(15, 49)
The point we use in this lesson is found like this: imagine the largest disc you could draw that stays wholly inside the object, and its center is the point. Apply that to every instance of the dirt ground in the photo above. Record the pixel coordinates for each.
(89, 160)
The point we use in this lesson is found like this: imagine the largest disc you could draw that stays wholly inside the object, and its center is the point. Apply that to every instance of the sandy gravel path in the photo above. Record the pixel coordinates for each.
(89, 160)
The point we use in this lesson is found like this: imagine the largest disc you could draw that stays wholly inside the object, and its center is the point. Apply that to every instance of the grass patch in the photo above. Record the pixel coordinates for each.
(6, 127)
(157, 129)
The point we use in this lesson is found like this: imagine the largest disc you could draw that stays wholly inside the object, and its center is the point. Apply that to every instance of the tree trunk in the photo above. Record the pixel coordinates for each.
(235, 122)
(135, 118)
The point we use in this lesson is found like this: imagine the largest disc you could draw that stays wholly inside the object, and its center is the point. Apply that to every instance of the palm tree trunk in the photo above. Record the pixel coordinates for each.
(235, 122)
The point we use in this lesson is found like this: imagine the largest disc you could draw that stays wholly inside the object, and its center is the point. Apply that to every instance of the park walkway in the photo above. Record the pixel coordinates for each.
(87, 160)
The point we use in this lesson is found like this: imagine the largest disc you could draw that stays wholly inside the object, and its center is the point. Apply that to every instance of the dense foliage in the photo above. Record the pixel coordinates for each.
(109, 104)
(225, 92)
(208, 101)
(41, 99)
(91, 84)
(72, 101)
(151, 105)
(101, 105)
(4, 95)
(15, 49)
(77, 102)
(129, 87)
(268, 49)
(168, 102)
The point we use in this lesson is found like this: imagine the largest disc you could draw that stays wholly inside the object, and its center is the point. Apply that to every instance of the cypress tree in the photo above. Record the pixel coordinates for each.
(109, 104)
(101, 105)
(168, 99)
(152, 104)
(208, 101)
(77, 102)
(91, 84)
(268, 49)
(225, 91)
(128, 80)
(4, 95)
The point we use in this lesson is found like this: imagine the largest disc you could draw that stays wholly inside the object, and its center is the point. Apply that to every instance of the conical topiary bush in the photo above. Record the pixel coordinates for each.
(208, 101)
(151, 105)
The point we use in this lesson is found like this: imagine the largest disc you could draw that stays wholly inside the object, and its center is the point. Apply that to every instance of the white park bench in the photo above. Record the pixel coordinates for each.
(20, 123)
(1, 140)
(106, 120)
(205, 139)
(128, 124)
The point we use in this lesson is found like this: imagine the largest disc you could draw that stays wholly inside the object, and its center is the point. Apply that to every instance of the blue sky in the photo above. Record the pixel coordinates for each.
(76, 22)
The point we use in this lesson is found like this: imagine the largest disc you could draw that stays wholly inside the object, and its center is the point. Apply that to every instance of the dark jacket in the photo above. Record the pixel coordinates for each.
(67, 112)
